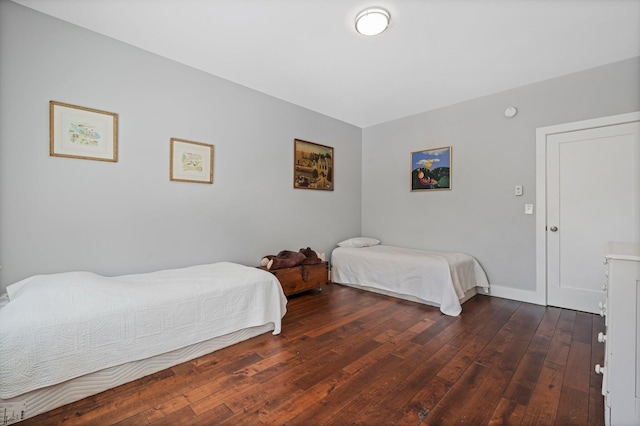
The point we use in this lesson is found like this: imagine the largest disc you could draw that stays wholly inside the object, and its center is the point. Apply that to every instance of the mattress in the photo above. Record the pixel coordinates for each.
(60, 327)
(438, 278)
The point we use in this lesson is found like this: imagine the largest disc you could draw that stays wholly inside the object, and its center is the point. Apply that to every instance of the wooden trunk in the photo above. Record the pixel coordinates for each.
(302, 277)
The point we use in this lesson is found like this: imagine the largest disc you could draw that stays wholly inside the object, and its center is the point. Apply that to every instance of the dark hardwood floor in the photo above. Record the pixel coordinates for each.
(347, 356)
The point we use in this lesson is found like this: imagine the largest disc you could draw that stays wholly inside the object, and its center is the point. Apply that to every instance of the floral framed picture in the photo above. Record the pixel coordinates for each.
(313, 166)
(431, 169)
(79, 132)
(191, 161)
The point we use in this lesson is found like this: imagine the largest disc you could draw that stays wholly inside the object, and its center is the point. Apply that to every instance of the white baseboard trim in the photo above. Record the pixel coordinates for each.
(527, 296)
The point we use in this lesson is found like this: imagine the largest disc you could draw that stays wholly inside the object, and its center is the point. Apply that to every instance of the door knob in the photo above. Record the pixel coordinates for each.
(553, 228)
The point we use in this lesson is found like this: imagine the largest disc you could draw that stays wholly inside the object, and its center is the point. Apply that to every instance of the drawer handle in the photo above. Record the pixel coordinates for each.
(600, 369)
(602, 337)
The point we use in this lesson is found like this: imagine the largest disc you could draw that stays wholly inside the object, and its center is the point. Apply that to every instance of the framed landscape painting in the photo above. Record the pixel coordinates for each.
(431, 169)
(79, 132)
(313, 166)
(191, 161)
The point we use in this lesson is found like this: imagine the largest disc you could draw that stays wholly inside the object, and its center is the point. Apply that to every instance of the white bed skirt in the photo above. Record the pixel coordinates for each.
(46, 399)
(467, 295)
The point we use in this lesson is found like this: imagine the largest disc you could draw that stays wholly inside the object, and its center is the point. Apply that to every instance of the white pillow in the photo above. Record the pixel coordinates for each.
(14, 289)
(359, 242)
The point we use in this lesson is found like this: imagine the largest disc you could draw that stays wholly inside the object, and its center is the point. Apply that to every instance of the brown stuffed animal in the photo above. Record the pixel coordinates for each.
(311, 257)
(287, 259)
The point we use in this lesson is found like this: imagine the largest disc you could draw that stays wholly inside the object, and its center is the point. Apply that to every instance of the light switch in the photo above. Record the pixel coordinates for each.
(528, 209)
(518, 189)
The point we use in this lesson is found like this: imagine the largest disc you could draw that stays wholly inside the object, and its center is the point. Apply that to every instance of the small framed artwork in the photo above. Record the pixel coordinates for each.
(79, 132)
(313, 166)
(431, 169)
(191, 161)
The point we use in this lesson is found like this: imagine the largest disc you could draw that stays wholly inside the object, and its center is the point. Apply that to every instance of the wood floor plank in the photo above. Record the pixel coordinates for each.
(481, 311)
(448, 409)
(561, 341)
(215, 415)
(507, 412)
(523, 327)
(573, 407)
(292, 405)
(389, 394)
(347, 356)
(480, 404)
(420, 406)
(578, 370)
(166, 408)
(322, 409)
(461, 360)
(543, 405)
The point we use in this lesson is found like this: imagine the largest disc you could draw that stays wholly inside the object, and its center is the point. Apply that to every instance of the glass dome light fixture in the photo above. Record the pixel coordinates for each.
(372, 21)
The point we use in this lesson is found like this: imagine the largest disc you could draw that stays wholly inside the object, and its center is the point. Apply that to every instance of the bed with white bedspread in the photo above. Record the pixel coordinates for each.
(69, 335)
(443, 279)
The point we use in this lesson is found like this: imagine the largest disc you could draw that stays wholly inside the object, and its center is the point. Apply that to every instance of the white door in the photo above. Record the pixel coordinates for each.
(593, 193)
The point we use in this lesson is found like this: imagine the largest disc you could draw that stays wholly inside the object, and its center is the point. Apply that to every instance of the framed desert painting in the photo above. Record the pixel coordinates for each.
(313, 166)
(191, 161)
(431, 169)
(80, 132)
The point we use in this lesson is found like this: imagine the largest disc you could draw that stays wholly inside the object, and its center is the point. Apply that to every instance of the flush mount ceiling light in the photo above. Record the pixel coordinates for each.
(372, 21)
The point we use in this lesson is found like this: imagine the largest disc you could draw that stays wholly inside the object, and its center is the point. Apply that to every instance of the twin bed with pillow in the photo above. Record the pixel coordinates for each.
(67, 336)
(443, 279)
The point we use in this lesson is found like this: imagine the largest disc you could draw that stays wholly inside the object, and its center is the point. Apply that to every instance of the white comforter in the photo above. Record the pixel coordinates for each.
(435, 277)
(61, 326)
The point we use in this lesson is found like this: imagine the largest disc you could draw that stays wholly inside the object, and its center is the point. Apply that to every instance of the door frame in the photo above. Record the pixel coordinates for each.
(542, 133)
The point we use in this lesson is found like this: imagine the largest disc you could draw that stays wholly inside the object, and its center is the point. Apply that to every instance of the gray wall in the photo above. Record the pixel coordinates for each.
(59, 214)
(491, 154)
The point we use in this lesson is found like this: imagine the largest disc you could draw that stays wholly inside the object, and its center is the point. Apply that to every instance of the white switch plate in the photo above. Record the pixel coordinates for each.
(518, 189)
(528, 209)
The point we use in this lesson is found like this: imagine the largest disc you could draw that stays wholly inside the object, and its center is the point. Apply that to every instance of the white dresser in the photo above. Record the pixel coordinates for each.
(621, 368)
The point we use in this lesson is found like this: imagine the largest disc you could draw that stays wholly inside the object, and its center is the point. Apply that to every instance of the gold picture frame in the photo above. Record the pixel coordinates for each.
(84, 133)
(191, 161)
(313, 166)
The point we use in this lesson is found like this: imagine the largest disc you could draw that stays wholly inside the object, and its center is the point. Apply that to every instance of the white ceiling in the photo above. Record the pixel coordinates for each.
(434, 53)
